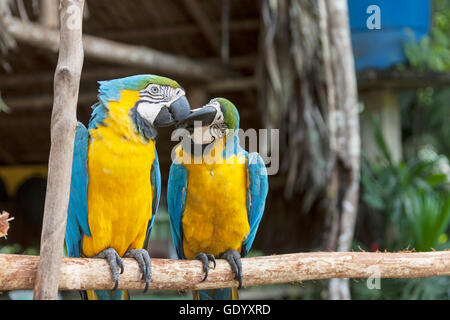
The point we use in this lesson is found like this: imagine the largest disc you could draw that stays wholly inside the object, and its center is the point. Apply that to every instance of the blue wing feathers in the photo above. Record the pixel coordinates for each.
(256, 196)
(156, 182)
(77, 213)
(155, 177)
(176, 196)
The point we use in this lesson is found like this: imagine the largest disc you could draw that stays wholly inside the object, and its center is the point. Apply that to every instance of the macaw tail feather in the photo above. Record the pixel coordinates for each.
(216, 294)
(105, 295)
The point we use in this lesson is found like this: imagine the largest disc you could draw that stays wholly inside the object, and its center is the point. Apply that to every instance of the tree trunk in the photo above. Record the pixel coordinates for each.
(344, 134)
(308, 90)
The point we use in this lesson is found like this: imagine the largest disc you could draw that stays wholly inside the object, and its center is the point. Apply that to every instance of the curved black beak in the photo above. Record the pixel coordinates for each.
(205, 115)
(176, 112)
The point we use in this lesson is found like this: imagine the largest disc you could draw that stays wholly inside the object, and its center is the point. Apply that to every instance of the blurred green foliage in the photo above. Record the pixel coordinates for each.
(425, 118)
(404, 289)
(425, 111)
(432, 52)
(17, 249)
(410, 200)
(413, 197)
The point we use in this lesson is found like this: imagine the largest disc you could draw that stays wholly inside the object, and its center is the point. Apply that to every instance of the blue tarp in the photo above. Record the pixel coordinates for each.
(384, 47)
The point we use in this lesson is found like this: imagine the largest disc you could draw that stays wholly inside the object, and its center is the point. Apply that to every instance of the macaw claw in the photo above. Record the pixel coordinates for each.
(143, 259)
(234, 259)
(115, 261)
(205, 259)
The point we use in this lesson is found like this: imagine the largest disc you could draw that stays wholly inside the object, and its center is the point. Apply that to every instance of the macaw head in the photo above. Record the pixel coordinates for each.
(219, 119)
(155, 101)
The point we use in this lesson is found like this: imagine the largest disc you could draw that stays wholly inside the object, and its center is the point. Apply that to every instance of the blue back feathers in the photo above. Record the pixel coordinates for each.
(256, 197)
(176, 196)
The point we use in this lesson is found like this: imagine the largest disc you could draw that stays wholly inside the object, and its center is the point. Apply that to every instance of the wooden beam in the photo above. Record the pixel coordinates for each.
(401, 80)
(6, 156)
(105, 73)
(25, 120)
(18, 272)
(197, 13)
(93, 74)
(233, 84)
(49, 15)
(45, 101)
(242, 62)
(244, 25)
(120, 53)
(63, 127)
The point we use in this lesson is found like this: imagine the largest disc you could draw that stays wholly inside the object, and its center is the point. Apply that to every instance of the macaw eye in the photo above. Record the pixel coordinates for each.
(154, 90)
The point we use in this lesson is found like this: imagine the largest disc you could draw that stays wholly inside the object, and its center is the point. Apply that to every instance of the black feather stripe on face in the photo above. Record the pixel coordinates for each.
(163, 94)
(141, 125)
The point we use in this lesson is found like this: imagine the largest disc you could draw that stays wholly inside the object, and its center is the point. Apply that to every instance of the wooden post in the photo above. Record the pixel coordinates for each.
(63, 126)
(18, 271)
(381, 105)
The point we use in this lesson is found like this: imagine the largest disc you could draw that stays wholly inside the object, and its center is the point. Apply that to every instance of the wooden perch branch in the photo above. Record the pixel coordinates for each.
(18, 272)
(116, 52)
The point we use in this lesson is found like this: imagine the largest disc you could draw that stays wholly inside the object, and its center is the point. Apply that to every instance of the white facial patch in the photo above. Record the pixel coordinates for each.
(201, 135)
(215, 131)
(219, 115)
(149, 111)
(154, 98)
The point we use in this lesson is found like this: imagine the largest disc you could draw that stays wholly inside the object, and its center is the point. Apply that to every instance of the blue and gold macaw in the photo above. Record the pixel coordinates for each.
(116, 181)
(216, 201)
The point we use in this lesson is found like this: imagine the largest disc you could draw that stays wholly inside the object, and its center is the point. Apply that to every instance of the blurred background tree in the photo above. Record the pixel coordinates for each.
(308, 90)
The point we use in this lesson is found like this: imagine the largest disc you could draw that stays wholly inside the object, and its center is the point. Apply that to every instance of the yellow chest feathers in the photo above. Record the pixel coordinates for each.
(119, 189)
(215, 215)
